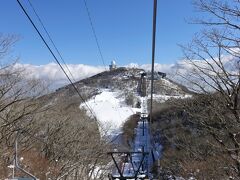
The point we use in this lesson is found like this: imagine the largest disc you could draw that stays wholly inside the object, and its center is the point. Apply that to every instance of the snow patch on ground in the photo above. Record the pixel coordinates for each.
(163, 98)
(169, 84)
(110, 110)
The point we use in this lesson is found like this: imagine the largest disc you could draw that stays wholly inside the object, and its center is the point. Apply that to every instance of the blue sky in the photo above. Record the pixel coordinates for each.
(123, 27)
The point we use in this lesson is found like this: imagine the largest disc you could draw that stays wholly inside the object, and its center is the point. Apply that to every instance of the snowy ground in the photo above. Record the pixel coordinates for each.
(110, 110)
(142, 143)
(163, 98)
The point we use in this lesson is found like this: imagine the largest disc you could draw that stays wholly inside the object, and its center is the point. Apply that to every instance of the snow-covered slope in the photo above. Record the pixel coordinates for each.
(111, 111)
(113, 96)
(117, 94)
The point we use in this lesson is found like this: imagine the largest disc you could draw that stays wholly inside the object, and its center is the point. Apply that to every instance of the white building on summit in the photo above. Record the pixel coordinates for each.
(113, 65)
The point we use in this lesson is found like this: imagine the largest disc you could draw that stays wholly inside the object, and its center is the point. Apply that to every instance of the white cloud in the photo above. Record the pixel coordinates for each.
(53, 74)
(158, 67)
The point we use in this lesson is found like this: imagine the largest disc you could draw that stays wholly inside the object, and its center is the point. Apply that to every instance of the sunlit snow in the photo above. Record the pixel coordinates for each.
(110, 110)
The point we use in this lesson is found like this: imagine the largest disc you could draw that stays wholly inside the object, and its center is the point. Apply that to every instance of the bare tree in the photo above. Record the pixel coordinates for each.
(18, 105)
(212, 66)
(57, 137)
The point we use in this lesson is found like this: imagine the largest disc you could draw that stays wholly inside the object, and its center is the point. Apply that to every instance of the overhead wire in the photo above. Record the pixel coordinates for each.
(56, 59)
(94, 33)
(51, 40)
(153, 55)
(99, 49)
(97, 42)
(98, 45)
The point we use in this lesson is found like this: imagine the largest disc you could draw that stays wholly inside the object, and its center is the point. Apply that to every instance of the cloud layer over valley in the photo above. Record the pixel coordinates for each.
(52, 73)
